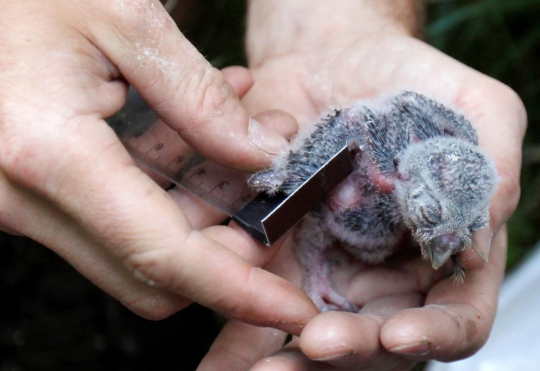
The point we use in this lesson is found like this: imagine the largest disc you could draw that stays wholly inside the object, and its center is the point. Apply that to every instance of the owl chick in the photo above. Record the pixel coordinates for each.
(418, 171)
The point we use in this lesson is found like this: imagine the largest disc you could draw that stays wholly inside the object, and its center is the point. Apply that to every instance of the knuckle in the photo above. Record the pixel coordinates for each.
(510, 184)
(9, 206)
(152, 268)
(19, 158)
(197, 97)
(509, 190)
(30, 143)
(136, 17)
(509, 97)
(207, 93)
(152, 306)
(504, 96)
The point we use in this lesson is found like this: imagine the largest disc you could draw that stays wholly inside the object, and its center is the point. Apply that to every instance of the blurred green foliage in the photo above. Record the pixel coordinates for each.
(217, 28)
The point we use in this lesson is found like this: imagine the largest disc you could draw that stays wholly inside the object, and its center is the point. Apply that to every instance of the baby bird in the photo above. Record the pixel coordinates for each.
(418, 171)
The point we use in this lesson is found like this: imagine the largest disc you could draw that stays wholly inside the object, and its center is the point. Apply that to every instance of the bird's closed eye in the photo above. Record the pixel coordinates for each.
(429, 216)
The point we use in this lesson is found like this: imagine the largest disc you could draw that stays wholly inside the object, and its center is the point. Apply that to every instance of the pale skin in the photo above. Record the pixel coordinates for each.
(67, 182)
(332, 54)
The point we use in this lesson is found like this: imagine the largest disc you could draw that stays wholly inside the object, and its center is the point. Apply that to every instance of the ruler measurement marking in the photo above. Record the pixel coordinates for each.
(150, 150)
(161, 150)
(177, 159)
(239, 199)
(221, 185)
(160, 169)
(212, 199)
(187, 183)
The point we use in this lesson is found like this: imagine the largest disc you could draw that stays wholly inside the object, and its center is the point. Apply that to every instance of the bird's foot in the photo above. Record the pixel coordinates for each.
(326, 298)
(268, 180)
(459, 272)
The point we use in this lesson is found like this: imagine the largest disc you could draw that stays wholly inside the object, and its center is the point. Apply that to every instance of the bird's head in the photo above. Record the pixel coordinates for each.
(444, 189)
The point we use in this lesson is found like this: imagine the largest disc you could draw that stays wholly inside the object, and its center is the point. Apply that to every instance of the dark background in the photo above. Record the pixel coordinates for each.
(52, 318)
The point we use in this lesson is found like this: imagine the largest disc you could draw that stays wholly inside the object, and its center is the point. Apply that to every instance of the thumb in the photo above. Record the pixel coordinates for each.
(188, 94)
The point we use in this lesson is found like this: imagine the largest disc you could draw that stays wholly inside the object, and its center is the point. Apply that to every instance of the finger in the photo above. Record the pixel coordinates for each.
(239, 346)
(199, 213)
(8, 230)
(172, 149)
(332, 337)
(239, 241)
(291, 358)
(240, 79)
(288, 359)
(387, 306)
(456, 320)
(285, 263)
(280, 121)
(363, 283)
(381, 282)
(35, 217)
(181, 86)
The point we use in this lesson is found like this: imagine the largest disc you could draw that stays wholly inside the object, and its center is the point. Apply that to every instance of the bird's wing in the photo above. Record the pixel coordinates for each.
(307, 155)
(426, 118)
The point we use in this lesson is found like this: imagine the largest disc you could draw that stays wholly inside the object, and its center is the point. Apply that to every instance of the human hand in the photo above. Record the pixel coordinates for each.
(409, 311)
(67, 182)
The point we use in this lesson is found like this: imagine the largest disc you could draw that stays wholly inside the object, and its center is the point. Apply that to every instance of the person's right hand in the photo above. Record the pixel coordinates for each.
(308, 55)
(67, 182)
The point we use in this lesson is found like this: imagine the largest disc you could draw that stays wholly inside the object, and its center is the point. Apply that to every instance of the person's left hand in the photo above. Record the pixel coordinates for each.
(67, 182)
(409, 311)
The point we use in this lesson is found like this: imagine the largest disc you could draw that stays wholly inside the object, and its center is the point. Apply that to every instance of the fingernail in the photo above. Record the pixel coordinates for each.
(340, 357)
(417, 349)
(266, 139)
(481, 242)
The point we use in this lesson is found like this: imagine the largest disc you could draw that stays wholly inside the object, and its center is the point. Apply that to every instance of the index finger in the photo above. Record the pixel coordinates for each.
(190, 95)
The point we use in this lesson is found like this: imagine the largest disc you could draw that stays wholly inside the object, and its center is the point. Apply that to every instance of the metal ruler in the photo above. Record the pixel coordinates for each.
(157, 147)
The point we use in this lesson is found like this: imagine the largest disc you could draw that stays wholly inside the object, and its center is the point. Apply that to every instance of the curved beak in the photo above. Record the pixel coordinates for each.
(441, 248)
